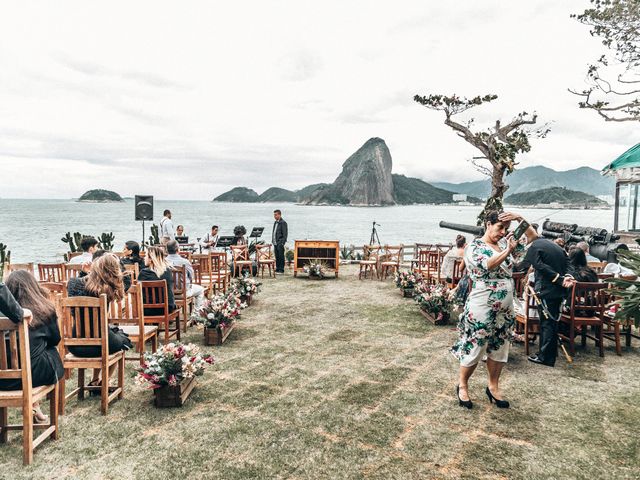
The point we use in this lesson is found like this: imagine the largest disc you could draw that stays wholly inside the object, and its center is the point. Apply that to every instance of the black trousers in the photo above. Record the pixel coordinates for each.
(549, 331)
(279, 250)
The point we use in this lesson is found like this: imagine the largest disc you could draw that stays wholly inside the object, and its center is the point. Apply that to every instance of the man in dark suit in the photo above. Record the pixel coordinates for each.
(279, 238)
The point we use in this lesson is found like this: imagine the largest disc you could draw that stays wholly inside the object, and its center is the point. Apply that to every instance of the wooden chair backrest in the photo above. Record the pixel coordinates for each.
(71, 255)
(72, 270)
(394, 253)
(133, 270)
(597, 266)
(85, 322)
(443, 248)
(589, 298)
(520, 283)
(128, 311)
(419, 247)
(203, 261)
(154, 295)
(433, 260)
(239, 252)
(15, 362)
(371, 252)
(458, 270)
(13, 267)
(605, 276)
(263, 252)
(218, 263)
(179, 274)
(185, 254)
(51, 272)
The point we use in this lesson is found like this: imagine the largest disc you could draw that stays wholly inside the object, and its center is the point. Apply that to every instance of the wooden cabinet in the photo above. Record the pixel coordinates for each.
(307, 251)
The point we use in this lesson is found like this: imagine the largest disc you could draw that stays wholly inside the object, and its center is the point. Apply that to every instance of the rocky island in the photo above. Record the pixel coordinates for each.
(555, 196)
(100, 196)
(365, 180)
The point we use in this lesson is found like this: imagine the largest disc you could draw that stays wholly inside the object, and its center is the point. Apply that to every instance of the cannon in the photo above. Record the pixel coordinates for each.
(602, 244)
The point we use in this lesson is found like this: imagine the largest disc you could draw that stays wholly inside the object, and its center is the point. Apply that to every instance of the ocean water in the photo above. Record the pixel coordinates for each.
(33, 228)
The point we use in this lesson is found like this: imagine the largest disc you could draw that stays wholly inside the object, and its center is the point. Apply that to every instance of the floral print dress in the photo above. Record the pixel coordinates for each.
(488, 318)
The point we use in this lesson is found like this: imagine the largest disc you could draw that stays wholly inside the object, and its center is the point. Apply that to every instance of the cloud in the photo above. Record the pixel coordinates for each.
(300, 65)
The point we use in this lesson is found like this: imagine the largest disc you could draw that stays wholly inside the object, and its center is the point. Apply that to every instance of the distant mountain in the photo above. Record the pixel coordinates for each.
(535, 178)
(560, 195)
(308, 190)
(100, 196)
(275, 194)
(238, 194)
(413, 190)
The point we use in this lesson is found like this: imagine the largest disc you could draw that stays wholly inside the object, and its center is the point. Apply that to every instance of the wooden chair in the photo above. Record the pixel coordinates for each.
(186, 254)
(202, 269)
(587, 310)
(180, 293)
(433, 263)
(264, 258)
(128, 314)
(133, 270)
(13, 267)
(459, 270)
(72, 271)
(371, 261)
(15, 363)
(85, 323)
(154, 296)
(598, 267)
(527, 320)
(52, 272)
(419, 262)
(220, 274)
(393, 257)
(241, 260)
(71, 255)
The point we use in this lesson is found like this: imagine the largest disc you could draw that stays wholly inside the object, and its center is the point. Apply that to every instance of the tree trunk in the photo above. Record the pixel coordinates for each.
(498, 189)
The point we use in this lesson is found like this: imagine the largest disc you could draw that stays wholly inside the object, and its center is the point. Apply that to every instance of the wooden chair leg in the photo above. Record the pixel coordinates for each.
(81, 384)
(53, 410)
(185, 310)
(526, 337)
(601, 339)
(572, 339)
(62, 400)
(104, 390)
(27, 433)
(166, 331)
(121, 377)
(616, 332)
(4, 421)
(154, 344)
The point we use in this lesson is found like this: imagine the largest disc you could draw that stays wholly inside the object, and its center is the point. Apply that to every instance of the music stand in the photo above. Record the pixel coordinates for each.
(225, 242)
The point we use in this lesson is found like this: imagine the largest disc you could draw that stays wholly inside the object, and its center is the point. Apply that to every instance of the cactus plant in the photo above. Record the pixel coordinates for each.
(77, 237)
(154, 239)
(69, 239)
(106, 241)
(5, 259)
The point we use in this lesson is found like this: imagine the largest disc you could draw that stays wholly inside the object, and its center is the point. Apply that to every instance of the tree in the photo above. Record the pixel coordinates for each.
(499, 144)
(614, 78)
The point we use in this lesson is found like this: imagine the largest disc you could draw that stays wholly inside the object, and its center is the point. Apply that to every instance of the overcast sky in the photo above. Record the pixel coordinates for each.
(185, 100)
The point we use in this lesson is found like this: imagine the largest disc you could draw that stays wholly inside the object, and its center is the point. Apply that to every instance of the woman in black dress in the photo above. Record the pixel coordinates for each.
(579, 268)
(44, 336)
(105, 277)
(158, 268)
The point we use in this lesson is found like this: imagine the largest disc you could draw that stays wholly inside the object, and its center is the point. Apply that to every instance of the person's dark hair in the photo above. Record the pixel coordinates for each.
(577, 258)
(87, 242)
(277, 211)
(134, 247)
(492, 217)
(215, 226)
(98, 254)
(180, 226)
(166, 212)
(239, 231)
(172, 247)
(29, 294)
(461, 240)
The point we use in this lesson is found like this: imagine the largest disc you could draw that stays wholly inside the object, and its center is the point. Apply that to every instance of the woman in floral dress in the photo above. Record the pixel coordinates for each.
(488, 318)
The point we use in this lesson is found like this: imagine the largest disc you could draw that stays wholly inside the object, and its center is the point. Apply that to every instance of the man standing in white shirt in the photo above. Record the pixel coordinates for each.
(166, 226)
(88, 245)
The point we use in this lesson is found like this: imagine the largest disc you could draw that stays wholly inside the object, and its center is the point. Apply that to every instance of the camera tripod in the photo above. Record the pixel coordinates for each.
(374, 234)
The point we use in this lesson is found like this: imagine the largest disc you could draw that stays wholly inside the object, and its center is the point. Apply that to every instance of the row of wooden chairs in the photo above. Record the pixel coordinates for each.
(380, 260)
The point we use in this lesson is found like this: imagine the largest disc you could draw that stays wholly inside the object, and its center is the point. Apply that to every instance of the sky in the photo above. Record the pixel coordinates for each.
(185, 100)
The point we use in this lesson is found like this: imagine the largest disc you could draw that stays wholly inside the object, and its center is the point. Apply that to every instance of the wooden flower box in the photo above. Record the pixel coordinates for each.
(408, 292)
(217, 336)
(167, 397)
(246, 299)
(434, 319)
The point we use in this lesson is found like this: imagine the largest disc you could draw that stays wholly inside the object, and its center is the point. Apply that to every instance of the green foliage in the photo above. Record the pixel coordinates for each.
(5, 259)
(106, 240)
(154, 239)
(69, 240)
(626, 291)
(100, 195)
(252, 246)
(347, 252)
(289, 255)
(555, 194)
(614, 75)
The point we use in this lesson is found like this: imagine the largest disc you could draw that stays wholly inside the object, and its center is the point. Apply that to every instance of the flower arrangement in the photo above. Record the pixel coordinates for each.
(436, 300)
(220, 311)
(407, 280)
(172, 364)
(315, 269)
(245, 285)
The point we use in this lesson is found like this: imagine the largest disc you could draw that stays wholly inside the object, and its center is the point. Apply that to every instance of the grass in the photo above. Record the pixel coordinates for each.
(344, 379)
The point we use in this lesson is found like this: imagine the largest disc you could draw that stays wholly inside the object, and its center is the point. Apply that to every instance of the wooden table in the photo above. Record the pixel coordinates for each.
(307, 251)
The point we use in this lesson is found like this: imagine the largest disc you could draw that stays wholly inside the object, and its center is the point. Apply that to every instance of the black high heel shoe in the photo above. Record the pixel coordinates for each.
(463, 403)
(499, 403)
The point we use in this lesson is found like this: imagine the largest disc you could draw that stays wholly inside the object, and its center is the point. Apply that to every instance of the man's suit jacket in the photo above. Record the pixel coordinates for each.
(281, 232)
(8, 305)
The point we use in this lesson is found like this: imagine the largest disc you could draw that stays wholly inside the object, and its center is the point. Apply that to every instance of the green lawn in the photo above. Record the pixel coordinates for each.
(345, 379)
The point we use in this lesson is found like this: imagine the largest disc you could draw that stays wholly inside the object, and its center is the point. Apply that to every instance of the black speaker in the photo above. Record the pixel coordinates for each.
(144, 207)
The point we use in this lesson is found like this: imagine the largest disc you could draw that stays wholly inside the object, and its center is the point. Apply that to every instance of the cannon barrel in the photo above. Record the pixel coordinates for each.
(602, 244)
(459, 227)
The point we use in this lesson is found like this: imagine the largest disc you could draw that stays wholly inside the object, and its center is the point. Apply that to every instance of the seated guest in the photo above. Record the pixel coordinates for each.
(11, 308)
(88, 245)
(210, 240)
(44, 336)
(193, 290)
(180, 231)
(126, 279)
(456, 253)
(131, 253)
(578, 267)
(584, 246)
(105, 277)
(158, 268)
(239, 232)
